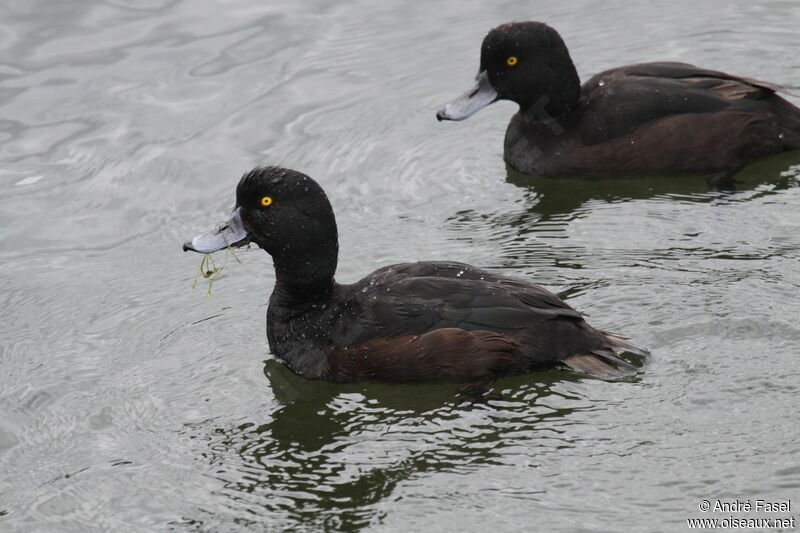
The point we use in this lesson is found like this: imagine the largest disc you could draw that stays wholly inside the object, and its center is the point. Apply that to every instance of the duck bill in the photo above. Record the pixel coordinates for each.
(229, 233)
(476, 98)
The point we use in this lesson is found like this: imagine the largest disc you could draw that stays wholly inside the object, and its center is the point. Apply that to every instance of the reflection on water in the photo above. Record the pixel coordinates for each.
(551, 203)
(329, 453)
(554, 196)
(539, 231)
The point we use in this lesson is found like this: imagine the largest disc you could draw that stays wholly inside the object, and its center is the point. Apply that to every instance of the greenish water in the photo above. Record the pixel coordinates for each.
(131, 402)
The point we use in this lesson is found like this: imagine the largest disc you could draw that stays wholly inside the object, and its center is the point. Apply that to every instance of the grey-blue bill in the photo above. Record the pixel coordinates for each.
(229, 233)
(476, 98)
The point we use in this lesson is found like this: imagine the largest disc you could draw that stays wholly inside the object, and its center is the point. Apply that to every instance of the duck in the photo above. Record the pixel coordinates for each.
(409, 322)
(659, 118)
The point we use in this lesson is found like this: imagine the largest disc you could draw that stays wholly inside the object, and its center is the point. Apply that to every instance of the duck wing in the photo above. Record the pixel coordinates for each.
(447, 353)
(448, 320)
(711, 78)
(618, 101)
(418, 297)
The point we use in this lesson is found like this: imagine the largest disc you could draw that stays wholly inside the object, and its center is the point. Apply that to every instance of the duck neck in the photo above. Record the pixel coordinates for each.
(291, 293)
(556, 98)
(306, 279)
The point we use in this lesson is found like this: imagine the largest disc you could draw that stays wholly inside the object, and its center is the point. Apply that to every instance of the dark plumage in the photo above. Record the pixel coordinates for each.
(647, 118)
(408, 322)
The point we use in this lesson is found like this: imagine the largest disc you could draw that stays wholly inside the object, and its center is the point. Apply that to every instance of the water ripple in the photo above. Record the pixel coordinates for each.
(125, 126)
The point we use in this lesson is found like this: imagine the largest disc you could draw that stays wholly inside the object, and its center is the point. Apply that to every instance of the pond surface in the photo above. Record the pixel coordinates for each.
(130, 401)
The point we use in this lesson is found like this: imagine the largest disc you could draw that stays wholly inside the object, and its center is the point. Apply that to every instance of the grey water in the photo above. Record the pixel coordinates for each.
(133, 398)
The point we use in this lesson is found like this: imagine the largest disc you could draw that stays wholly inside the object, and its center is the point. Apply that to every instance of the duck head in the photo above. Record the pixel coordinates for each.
(525, 62)
(287, 214)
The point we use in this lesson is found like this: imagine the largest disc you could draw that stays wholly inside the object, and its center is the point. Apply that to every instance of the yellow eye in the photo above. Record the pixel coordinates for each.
(511, 61)
(266, 201)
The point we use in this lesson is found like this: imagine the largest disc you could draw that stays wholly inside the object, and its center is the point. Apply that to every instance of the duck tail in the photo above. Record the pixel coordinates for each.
(605, 362)
(620, 343)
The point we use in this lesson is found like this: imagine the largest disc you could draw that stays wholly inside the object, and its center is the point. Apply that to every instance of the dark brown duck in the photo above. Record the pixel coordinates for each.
(638, 119)
(408, 322)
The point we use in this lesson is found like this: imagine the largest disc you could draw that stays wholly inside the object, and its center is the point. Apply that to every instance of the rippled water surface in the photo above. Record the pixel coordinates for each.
(131, 402)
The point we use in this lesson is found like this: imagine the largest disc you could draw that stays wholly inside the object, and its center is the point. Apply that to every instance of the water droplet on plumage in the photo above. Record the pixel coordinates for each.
(601, 83)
